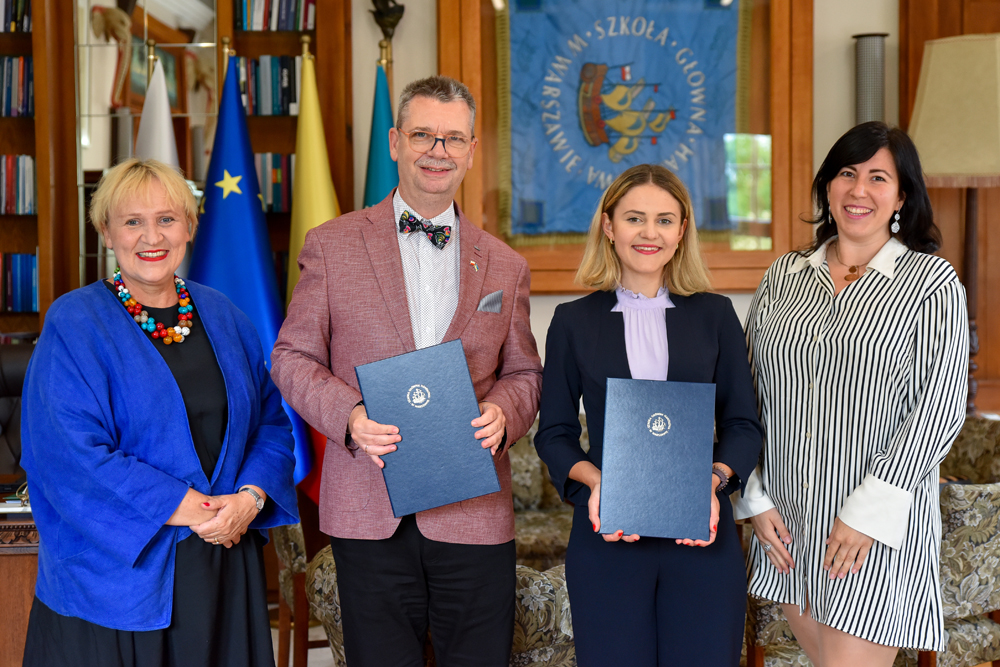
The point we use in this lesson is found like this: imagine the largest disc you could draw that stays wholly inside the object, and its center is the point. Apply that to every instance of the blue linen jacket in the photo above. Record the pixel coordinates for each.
(109, 455)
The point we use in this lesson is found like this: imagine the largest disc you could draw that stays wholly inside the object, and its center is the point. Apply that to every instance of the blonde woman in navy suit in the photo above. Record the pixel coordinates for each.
(647, 601)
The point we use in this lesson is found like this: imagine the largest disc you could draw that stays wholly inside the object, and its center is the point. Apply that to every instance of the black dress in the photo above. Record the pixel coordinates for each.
(219, 615)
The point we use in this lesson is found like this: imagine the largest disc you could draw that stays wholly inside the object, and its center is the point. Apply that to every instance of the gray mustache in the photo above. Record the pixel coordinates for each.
(435, 164)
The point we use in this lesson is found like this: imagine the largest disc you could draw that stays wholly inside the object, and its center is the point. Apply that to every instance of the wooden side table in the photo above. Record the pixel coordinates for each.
(18, 569)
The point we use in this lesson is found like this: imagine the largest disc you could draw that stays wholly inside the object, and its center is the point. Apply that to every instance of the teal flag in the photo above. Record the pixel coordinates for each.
(232, 251)
(382, 175)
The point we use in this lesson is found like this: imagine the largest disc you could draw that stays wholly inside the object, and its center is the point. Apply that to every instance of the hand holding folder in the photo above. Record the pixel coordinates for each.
(657, 460)
(422, 428)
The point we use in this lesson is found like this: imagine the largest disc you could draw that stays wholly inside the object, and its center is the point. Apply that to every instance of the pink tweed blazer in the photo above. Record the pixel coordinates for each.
(350, 308)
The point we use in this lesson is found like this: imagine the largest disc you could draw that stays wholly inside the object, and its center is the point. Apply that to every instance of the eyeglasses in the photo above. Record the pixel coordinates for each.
(424, 142)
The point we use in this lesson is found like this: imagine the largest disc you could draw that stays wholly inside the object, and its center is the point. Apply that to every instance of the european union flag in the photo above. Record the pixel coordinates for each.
(232, 252)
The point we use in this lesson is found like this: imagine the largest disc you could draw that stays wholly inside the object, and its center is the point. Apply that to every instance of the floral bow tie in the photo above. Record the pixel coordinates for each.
(437, 235)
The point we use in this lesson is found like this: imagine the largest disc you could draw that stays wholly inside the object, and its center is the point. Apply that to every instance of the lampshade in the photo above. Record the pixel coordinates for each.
(956, 118)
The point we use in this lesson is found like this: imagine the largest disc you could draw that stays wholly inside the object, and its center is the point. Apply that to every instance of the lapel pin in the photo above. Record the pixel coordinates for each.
(473, 264)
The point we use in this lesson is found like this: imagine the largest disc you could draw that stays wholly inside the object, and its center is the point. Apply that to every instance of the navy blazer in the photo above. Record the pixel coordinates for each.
(586, 346)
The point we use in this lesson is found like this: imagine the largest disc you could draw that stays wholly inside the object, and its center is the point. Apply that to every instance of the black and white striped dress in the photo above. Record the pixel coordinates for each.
(861, 395)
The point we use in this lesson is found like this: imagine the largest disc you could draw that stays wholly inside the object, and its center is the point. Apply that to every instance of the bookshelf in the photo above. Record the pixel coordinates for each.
(330, 43)
(18, 233)
(53, 229)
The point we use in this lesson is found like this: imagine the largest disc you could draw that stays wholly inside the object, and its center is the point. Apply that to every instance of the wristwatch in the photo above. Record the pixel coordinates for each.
(256, 496)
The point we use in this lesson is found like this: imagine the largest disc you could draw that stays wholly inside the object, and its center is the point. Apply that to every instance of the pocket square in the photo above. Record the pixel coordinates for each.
(491, 302)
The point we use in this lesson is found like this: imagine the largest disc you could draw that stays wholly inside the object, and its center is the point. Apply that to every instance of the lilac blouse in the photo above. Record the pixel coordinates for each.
(645, 332)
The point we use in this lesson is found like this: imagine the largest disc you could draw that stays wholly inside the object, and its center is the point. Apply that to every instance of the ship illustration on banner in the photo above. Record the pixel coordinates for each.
(606, 112)
(592, 94)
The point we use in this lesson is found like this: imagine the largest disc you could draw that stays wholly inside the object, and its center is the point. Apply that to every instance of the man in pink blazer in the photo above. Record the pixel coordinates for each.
(410, 272)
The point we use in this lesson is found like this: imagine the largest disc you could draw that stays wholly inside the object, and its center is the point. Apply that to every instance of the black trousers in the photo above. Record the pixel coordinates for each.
(654, 603)
(393, 590)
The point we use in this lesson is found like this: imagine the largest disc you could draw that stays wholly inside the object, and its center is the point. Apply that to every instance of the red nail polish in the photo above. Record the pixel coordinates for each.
(595, 527)
(715, 528)
(207, 504)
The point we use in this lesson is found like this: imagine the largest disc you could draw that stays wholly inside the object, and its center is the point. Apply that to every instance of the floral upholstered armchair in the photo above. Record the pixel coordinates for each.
(542, 522)
(970, 566)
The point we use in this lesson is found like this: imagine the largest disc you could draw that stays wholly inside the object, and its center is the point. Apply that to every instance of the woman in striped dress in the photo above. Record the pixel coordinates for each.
(859, 350)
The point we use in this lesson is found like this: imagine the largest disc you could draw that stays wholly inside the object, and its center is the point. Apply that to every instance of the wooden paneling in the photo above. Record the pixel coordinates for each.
(919, 21)
(466, 51)
(55, 154)
(334, 79)
(17, 590)
(17, 136)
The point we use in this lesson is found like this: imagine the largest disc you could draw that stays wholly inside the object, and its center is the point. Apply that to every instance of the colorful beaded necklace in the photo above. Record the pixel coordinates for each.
(174, 334)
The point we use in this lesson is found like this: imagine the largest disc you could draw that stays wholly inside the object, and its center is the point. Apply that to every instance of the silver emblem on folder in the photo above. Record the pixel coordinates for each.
(418, 396)
(658, 424)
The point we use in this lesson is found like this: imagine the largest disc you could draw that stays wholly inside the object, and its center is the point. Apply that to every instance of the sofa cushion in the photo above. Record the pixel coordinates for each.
(971, 641)
(543, 624)
(526, 475)
(541, 537)
(975, 454)
(970, 541)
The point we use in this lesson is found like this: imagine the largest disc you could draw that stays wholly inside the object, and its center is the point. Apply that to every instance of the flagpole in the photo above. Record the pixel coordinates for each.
(385, 60)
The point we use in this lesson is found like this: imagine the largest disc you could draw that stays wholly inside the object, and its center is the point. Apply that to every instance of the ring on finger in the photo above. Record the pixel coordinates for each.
(217, 540)
(767, 547)
(366, 449)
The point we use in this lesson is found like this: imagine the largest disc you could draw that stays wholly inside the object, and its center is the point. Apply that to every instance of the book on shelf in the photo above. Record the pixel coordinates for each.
(19, 338)
(18, 95)
(275, 15)
(16, 16)
(17, 185)
(19, 283)
(270, 85)
(275, 174)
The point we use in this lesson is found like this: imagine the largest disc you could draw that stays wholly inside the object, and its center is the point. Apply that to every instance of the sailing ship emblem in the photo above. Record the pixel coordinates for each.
(418, 396)
(606, 113)
(658, 424)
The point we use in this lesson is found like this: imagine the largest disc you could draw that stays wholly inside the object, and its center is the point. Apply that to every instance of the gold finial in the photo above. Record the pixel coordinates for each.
(226, 52)
(150, 59)
(305, 39)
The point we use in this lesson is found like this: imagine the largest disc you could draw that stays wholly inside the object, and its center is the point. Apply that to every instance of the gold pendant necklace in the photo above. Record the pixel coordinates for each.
(852, 271)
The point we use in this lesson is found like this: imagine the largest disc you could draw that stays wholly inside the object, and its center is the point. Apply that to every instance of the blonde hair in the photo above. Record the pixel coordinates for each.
(132, 179)
(601, 268)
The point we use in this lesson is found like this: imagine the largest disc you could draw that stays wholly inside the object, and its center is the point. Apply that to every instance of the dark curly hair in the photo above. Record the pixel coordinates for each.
(916, 219)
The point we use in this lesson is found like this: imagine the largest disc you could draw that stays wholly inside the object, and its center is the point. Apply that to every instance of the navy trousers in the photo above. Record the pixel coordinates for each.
(654, 603)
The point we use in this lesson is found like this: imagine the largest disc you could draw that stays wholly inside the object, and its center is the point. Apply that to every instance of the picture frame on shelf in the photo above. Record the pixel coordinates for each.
(138, 74)
(145, 26)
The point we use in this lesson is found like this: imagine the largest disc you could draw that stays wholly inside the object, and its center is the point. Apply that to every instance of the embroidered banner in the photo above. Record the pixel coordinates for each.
(597, 87)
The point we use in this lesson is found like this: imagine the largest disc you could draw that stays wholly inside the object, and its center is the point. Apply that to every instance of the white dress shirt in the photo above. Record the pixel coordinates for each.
(430, 274)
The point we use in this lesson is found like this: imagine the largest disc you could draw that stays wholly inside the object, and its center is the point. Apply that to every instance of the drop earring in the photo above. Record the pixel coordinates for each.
(612, 240)
(894, 227)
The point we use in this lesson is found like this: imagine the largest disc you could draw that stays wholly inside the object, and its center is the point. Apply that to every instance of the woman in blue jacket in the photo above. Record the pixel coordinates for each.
(646, 601)
(157, 453)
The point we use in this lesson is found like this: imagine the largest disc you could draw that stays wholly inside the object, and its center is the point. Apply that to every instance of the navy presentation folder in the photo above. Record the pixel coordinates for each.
(657, 462)
(428, 395)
